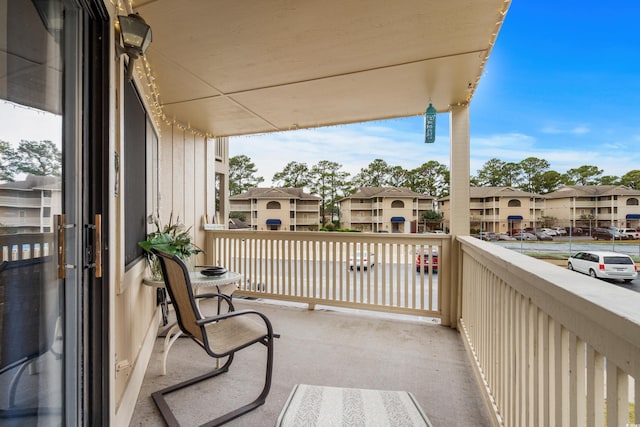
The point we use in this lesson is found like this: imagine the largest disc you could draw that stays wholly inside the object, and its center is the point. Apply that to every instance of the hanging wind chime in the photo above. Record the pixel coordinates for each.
(430, 124)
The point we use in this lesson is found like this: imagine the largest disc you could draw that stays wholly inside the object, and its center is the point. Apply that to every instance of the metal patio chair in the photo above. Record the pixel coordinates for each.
(220, 336)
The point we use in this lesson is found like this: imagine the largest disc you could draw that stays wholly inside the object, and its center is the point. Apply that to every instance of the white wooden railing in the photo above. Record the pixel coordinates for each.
(551, 346)
(313, 268)
(14, 247)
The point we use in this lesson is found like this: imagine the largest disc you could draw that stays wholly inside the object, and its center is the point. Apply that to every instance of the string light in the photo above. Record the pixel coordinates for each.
(150, 90)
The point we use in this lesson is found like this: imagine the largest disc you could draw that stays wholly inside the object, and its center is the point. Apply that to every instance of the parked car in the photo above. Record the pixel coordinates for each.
(362, 260)
(424, 261)
(487, 235)
(560, 230)
(606, 234)
(542, 235)
(524, 236)
(604, 265)
(630, 233)
(504, 236)
(549, 231)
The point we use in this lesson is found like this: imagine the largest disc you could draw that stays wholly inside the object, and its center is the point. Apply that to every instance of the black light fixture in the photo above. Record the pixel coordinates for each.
(136, 37)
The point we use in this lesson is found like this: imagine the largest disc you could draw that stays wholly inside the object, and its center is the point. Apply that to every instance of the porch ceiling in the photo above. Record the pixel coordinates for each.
(230, 68)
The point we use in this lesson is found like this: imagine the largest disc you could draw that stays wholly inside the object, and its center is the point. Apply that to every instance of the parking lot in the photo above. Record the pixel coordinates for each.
(562, 247)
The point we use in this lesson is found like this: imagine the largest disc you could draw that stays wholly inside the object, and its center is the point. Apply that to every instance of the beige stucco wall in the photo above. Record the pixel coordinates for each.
(181, 172)
(281, 213)
(356, 213)
(306, 213)
(497, 211)
(605, 211)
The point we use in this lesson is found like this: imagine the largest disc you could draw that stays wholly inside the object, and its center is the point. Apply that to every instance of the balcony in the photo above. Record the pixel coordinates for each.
(328, 347)
(547, 346)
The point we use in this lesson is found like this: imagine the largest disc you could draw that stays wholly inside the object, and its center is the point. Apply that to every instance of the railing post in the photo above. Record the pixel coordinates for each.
(452, 279)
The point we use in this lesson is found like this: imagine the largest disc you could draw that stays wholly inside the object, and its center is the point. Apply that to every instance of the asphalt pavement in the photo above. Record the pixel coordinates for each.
(562, 247)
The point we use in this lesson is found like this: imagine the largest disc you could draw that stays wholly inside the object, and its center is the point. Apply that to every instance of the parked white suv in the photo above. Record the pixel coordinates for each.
(604, 265)
(630, 233)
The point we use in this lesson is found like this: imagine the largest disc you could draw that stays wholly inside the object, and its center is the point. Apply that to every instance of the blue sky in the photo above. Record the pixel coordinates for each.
(562, 84)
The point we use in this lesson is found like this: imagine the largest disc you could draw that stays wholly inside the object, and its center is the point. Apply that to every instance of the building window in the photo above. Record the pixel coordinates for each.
(397, 204)
(632, 202)
(514, 203)
(273, 205)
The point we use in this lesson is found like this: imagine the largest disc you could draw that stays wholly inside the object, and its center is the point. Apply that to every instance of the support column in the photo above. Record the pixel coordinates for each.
(460, 165)
(459, 213)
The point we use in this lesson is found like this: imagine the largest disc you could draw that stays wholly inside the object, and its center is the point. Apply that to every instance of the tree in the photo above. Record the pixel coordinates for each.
(583, 175)
(294, 175)
(432, 218)
(238, 215)
(609, 180)
(512, 174)
(38, 158)
(631, 179)
(496, 173)
(430, 178)
(377, 174)
(7, 162)
(398, 176)
(242, 174)
(532, 170)
(550, 181)
(329, 183)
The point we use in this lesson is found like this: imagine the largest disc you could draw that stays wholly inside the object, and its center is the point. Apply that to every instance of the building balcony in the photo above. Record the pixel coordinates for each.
(307, 208)
(25, 202)
(545, 344)
(331, 347)
(362, 220)
(29, 221)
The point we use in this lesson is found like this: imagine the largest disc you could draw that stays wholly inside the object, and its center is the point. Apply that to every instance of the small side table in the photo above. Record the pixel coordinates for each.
(225, 284)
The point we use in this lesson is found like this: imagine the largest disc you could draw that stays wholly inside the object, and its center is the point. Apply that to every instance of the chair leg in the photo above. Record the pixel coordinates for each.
(170, 419)
(159, 396)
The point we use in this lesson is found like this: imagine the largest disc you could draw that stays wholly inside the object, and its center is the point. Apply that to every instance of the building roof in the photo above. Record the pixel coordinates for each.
(484, 192)
(34, 182)
(373, 192)
(274, 193)
(592, 191)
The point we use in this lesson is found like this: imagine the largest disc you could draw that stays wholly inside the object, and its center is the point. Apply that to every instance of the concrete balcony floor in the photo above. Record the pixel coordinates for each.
(323, 347)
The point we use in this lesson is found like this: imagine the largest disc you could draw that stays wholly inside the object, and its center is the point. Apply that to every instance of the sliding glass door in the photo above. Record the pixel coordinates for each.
(48, 212)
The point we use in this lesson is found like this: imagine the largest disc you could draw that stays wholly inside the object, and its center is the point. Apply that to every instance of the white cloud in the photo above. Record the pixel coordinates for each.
(402, 144)
(354, 147)
(19, 123)
(577, 130)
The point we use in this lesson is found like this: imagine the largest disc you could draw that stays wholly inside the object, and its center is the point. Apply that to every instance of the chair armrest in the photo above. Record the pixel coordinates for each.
(227, 298)
(211, 319)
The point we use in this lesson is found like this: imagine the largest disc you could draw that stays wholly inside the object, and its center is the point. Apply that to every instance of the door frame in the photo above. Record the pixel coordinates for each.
(93, 294)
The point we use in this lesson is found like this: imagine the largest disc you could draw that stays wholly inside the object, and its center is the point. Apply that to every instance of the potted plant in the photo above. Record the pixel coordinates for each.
(173, 238)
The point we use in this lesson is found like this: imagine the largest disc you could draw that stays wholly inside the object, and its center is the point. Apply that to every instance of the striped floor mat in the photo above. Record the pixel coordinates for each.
(310, 405)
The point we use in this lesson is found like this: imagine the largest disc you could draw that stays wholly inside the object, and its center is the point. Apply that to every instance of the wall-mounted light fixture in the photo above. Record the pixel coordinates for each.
(136, 37)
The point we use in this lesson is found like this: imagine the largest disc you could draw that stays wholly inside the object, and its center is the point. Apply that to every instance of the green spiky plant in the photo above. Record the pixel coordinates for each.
(173, 238)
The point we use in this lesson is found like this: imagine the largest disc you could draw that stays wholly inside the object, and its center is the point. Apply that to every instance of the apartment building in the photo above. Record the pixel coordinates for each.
(278, 209)
(589, 206)
(383, 209)
(500, 209)
(27, 206)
